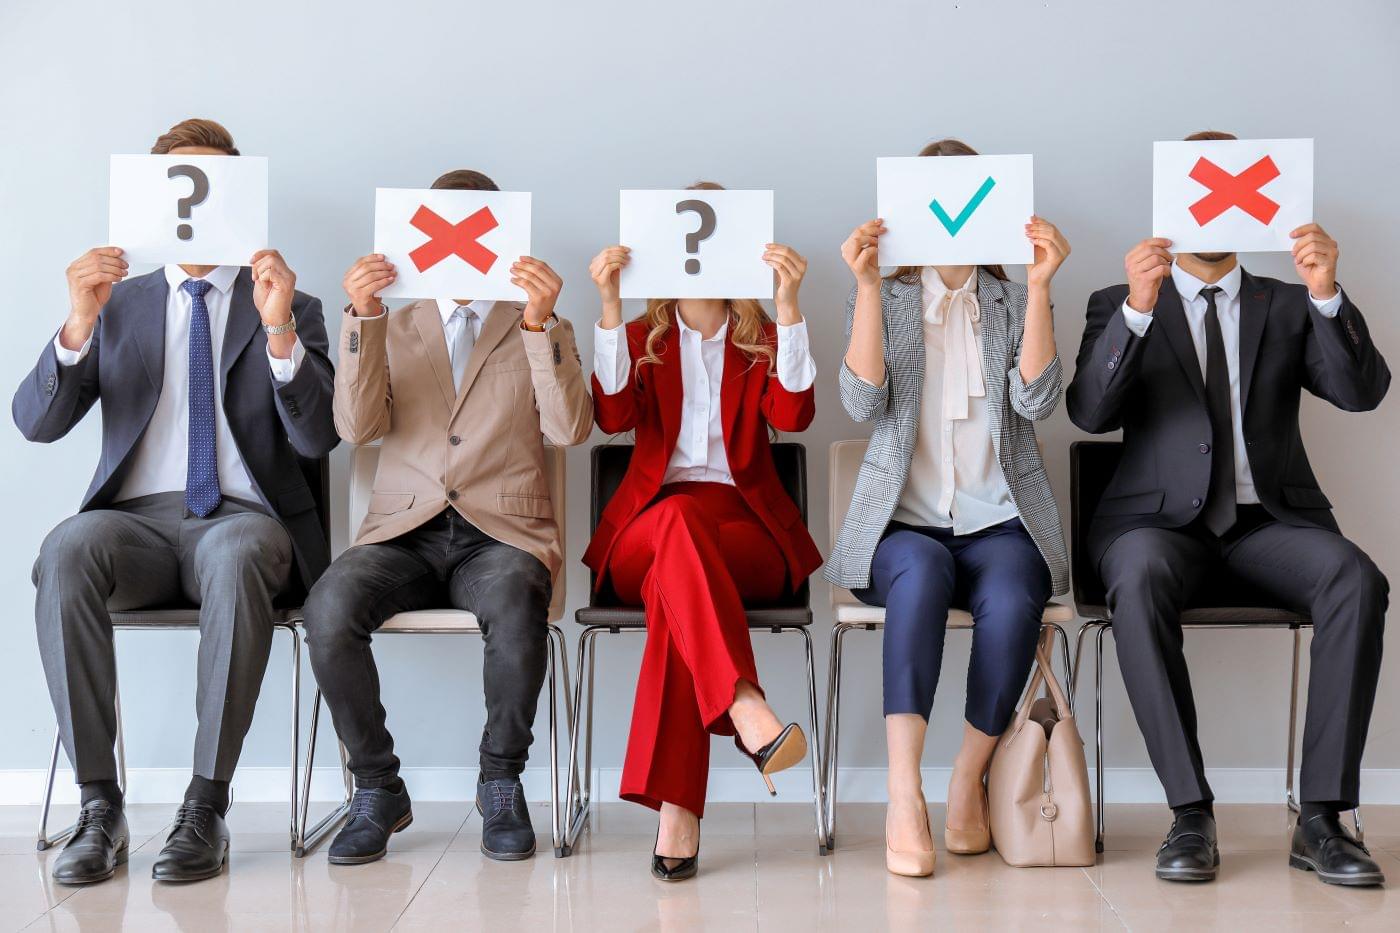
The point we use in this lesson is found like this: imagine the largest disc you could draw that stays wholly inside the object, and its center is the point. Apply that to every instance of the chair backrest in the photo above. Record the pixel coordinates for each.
(1091, 467)
(846, 457)
(365, 460)
(610, 466)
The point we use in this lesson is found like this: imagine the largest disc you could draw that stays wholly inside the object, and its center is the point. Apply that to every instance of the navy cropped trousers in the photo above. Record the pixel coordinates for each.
(998, 575)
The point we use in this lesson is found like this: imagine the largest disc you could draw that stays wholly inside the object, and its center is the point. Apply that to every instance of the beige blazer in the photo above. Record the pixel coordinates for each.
(480, 450)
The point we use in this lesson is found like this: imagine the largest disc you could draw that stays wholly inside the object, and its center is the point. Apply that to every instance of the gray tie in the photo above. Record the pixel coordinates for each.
(462, 346)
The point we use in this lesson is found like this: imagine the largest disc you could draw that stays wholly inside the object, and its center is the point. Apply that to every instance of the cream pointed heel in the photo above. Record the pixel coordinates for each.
(970, 841)
(911, 864)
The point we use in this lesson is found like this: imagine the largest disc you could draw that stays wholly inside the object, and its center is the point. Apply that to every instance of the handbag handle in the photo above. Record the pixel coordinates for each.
(1043, 673)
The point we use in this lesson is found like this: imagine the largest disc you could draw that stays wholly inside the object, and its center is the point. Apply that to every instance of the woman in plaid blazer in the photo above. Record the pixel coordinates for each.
(952, 507)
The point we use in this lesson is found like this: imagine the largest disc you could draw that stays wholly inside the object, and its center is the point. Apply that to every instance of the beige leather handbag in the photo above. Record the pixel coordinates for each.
(1038, 786)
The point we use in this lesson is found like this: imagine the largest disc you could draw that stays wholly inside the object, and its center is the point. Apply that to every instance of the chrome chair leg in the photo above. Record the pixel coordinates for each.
(45, 841)
(833, 727)
(556, 828)
(815, 749)
(1098, 734)
(307, 839)
(1289, 799)
(579, 794)
(296, 729)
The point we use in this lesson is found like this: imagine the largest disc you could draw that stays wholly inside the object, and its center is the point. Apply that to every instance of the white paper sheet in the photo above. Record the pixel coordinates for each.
(666, 243)
(955, 210)
(447, 243)
(159, 218)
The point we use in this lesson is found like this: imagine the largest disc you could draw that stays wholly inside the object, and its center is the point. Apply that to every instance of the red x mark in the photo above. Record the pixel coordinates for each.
(447, 239)
(1227, 191)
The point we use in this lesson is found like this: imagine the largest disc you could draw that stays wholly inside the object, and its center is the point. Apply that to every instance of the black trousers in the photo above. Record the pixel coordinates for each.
(1152, 574)
(444, 562)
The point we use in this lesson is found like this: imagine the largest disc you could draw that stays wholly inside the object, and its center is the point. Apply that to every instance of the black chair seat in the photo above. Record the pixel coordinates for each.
(628, 617)
(1221, 615)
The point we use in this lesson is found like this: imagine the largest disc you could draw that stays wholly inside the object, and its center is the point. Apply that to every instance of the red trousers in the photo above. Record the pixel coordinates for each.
(691, 559)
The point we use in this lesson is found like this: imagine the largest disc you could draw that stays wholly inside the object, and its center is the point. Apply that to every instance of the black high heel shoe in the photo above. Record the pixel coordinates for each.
(682, 869)
(789, 748)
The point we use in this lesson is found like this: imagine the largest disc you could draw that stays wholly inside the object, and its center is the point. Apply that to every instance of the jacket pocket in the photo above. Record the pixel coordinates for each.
(295, 501)
(1306, 497)
(1140, 503)
(387, 503)
(530, 506)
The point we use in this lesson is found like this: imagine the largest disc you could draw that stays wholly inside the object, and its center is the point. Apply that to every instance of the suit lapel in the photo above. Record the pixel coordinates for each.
(993, 330)
(731, 387)
(428, 322)
(503, 319)
(243, 322)
(670, 387)
(1171, 317)
(149, 331)
(1254, 315)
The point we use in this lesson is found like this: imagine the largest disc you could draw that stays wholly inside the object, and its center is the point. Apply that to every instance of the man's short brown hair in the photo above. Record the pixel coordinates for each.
(195, 132)
(464, 179)
(1204, 135)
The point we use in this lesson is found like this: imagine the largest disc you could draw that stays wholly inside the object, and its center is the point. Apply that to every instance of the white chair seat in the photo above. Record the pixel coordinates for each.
(957, 618)
(455, 620)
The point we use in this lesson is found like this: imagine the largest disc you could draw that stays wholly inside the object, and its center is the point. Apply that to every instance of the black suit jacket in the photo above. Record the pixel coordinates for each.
(124, 368)
(1151, 387)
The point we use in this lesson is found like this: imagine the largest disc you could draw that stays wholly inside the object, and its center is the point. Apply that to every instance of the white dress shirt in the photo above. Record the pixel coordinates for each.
(699, 456)
(160, 462)
(1227, 308)
(955, 480)
(452, 329)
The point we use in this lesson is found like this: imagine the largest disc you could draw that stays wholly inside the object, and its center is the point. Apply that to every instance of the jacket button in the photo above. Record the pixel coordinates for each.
(1195, 503)
(1112, 364)
(1205, 448)
(454, 440)
(452, 496)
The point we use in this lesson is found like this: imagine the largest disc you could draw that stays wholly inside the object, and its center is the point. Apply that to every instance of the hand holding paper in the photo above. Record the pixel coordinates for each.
(366, 278)
(1315, 257)
(90, 280)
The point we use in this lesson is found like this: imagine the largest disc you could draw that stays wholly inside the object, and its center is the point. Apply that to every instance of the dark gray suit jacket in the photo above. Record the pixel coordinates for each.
(124, 368)
(1152, 388)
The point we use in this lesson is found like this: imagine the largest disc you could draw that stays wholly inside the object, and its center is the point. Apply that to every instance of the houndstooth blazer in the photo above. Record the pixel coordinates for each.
(1012, 406)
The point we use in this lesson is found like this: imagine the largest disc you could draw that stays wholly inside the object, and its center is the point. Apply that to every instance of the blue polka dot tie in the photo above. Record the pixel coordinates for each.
(202, 494)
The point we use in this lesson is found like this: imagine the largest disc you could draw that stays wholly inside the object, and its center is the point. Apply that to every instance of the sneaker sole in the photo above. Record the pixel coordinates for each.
(118, 861)
(1368, 880)
(398, 827)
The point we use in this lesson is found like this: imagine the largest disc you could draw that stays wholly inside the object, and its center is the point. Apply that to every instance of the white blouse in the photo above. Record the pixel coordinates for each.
(954, 479)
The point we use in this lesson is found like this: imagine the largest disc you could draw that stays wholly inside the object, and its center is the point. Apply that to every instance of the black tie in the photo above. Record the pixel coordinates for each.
(1219, 511)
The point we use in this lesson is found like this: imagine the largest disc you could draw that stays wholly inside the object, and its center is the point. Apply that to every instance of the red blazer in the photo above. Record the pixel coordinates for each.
(750, 400)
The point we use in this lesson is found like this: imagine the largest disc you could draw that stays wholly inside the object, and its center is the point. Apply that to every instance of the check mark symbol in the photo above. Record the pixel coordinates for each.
(954, 224)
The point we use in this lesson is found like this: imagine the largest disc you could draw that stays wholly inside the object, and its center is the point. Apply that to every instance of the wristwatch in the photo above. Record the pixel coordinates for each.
(272, 330)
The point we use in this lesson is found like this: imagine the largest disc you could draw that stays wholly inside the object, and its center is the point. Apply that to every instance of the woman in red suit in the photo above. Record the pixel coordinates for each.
(700, 525)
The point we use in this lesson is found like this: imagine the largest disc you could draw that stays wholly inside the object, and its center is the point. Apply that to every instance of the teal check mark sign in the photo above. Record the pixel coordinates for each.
(954, 224)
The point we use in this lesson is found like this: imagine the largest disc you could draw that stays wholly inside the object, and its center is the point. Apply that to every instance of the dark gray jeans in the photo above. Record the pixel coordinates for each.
(445, 562)
(147, 553)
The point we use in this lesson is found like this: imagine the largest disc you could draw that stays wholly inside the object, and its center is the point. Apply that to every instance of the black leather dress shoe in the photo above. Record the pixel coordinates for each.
(375, 815)
(1323, 845)
(1189, 852)
(506, 833)
(197, 847)
(98, 845)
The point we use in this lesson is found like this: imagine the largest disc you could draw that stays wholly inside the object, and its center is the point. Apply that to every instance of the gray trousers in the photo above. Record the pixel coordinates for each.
(149, 553)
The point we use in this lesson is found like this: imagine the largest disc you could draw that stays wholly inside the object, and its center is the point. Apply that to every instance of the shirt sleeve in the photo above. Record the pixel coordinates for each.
(67, 357)
(1328, 308)
(1137, 321)
(611, 361)
(796, 370)
(284, 371)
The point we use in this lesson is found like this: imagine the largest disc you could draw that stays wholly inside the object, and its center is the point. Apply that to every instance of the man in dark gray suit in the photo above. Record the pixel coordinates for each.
(212, 380)
(1202, 366)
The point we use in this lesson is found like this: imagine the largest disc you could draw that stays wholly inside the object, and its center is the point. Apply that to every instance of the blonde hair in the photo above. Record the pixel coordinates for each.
(746, 318)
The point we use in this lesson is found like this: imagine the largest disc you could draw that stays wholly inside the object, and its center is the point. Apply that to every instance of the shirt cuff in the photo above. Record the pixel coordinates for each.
(67, 357)
(1137, 321)
(796, 370)
(284, 371)
(611, 361)
(1330, 307)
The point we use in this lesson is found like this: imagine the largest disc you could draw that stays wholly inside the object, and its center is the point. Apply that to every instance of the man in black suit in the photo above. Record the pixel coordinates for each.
(212, 380)
(1202, 366)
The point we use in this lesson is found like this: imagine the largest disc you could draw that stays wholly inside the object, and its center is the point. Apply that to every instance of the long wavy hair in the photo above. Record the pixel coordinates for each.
(746, 318)
(943, 147)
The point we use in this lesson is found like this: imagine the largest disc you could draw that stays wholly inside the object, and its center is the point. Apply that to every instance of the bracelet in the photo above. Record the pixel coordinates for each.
(273, 330)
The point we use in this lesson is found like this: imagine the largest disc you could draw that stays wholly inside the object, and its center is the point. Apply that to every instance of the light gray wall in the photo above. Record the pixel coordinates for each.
(575, 100)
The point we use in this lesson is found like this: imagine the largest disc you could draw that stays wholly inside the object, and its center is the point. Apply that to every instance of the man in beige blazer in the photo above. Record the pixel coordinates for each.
(462, 396)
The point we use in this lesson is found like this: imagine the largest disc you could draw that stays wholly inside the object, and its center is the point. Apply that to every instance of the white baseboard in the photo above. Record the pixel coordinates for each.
(273, 785)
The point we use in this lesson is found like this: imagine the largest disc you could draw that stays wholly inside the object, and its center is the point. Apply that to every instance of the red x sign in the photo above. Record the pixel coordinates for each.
(448, 239)
(1227, 191)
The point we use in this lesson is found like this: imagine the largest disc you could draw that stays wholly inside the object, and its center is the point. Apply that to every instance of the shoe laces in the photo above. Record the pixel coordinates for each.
(92, 815)
(193, 817)
(505, 794)
(362, 805)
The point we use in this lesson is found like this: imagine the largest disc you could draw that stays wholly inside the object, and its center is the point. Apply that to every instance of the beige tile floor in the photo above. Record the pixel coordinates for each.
(759, 870)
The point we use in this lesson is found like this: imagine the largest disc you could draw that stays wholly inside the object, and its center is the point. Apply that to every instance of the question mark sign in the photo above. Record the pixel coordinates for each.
(196, 195)
(701, 233)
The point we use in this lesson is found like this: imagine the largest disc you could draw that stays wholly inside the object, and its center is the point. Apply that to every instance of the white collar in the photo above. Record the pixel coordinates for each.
(448, 307)
(221, 278)
(1189, 287)
(687, 329)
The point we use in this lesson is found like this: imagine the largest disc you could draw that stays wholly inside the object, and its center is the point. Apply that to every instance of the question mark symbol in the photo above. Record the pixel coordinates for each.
(196, 195)
(701, 233)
